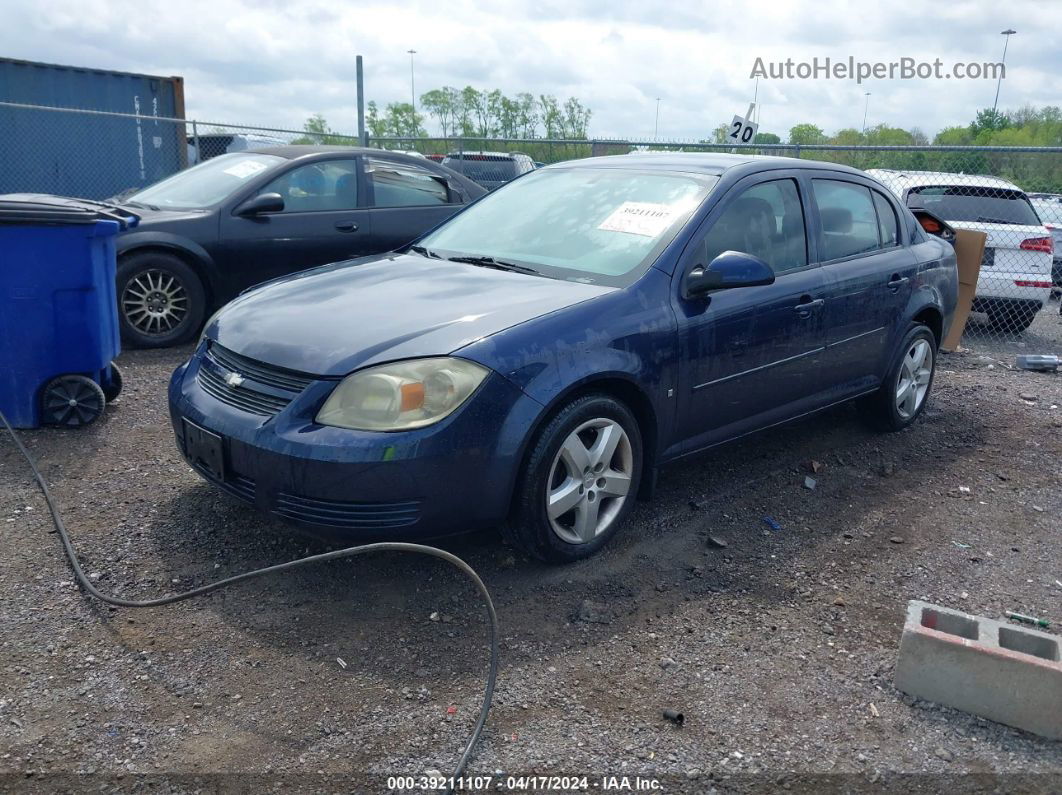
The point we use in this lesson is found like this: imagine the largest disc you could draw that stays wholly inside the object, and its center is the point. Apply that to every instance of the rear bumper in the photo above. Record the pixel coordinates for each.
(454, 476)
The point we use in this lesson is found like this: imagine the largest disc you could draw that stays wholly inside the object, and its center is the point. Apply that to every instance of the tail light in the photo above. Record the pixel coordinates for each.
(1023, 283)
(1044, 244)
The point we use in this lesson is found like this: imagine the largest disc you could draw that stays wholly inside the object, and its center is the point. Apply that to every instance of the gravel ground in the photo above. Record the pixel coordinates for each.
(778, 646)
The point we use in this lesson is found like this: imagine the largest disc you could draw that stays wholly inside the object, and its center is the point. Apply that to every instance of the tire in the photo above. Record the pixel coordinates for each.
(112, 390)
(884, 409)
(161, 300)
(601, 499)
(1010, 318)
(71, 401)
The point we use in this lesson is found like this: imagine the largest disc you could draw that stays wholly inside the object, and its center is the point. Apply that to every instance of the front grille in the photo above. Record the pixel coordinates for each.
(288, 380)
(354, 515)
(240, 397)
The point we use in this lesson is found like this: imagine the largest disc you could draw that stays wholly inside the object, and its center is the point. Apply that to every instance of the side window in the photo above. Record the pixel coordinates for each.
(849, 221)
(403, 185)
(317, 187)
(766, 221)
(888, 227)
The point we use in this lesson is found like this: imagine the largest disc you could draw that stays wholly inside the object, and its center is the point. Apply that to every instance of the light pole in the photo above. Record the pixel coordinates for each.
(1006, 40)
(656, 124)
(866, 107)
(412, 90)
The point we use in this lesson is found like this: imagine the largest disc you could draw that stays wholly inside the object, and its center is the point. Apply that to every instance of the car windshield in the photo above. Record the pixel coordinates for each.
(206, 184)
(972, 203)
(595, 225)
(1050, 212)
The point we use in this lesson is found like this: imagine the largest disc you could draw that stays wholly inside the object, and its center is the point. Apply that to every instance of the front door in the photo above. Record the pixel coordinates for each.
(753, 353)
(320, 223)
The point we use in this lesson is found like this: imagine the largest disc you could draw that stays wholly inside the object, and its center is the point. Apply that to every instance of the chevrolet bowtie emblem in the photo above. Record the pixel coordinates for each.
(234, 379)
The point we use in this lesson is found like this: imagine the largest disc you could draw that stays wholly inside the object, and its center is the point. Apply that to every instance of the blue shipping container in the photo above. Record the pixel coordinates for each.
(81, 154)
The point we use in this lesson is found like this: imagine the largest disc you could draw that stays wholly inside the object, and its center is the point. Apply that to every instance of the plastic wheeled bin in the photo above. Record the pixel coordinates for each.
(58, 313)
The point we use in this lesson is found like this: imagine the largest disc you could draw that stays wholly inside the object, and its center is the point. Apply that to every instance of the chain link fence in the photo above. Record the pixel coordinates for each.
(1013, 194)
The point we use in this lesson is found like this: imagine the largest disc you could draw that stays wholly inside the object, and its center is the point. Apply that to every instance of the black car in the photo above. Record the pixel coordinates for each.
(213, 230)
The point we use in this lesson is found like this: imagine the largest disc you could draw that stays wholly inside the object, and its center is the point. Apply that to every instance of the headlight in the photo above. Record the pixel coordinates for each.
(401, 395)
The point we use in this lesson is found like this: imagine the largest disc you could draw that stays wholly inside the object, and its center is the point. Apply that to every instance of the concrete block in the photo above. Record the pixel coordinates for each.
(998, 670)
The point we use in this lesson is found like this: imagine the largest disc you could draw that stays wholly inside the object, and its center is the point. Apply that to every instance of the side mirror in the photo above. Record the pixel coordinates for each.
(730, 269)
(261, 204)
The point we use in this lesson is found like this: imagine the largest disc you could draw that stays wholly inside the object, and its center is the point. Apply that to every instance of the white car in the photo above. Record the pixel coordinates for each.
(1015, 280)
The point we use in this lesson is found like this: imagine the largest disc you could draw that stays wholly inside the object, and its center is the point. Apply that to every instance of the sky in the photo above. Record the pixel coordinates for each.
(276, 62)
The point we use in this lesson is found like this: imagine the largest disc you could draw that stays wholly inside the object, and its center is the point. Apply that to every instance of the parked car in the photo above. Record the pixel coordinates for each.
(1049, 208)
(489, 169)
(537, 358)
(238, 219)
(1015, 279)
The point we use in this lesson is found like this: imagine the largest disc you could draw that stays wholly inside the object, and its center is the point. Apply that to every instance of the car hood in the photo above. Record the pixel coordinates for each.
(161, 217)
(330, 321)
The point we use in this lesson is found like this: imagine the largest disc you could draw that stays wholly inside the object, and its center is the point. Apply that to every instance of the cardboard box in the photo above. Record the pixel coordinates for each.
(969, 249)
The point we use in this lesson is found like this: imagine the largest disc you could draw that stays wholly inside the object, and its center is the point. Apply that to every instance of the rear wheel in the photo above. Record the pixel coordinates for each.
(905, 392)
(579, 482)
(161, 301)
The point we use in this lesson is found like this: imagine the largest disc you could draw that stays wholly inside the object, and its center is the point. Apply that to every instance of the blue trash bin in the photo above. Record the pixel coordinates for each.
(58, 313)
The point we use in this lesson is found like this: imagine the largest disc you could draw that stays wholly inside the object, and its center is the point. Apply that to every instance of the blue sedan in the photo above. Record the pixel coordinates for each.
(532, 362)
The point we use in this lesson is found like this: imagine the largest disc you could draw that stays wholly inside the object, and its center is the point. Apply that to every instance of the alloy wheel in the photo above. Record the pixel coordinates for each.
(589, 481)
(912, 384)
(154, 301)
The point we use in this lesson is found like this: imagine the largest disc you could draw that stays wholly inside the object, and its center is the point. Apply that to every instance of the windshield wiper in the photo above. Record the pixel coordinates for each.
(141, 205)
(426, 252)
(497, 264)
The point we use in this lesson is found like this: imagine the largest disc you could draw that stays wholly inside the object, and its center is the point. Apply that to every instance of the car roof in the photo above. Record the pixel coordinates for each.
(714, 163)
(292, 151)
(910, 179)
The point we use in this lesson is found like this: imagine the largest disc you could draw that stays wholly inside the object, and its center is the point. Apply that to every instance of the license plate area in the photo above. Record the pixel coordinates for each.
(205, 449)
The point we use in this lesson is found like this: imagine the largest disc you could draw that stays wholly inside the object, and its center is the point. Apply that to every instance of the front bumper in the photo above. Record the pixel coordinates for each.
(450, 477)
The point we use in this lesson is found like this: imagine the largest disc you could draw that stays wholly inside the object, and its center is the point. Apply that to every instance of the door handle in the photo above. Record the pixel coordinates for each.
(805, 308)
(346, 226)
(896, 282)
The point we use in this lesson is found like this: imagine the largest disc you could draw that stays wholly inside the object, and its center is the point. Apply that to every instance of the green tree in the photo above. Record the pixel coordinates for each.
(444, 105)
(575, 121)
(804, 134)
(402, 121)
(766, 138)
(376, 126)
(550, 113)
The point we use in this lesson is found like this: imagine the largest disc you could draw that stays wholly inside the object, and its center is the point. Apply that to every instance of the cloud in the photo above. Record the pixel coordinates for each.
(275, 62)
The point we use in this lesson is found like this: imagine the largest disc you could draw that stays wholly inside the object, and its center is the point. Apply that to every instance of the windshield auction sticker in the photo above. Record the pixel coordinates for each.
(640, 218)
(245, 169)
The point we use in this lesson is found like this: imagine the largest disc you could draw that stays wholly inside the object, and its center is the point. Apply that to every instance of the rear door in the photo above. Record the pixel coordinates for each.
(321, 223)
(753, 354)
(406, 200)
(871, 274)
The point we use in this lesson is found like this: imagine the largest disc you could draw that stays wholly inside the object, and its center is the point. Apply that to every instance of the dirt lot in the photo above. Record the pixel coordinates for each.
(779, 648)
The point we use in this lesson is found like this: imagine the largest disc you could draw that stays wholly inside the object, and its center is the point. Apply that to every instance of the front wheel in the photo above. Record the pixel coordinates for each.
(579, 482)
(904, 393)
(161, 301)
